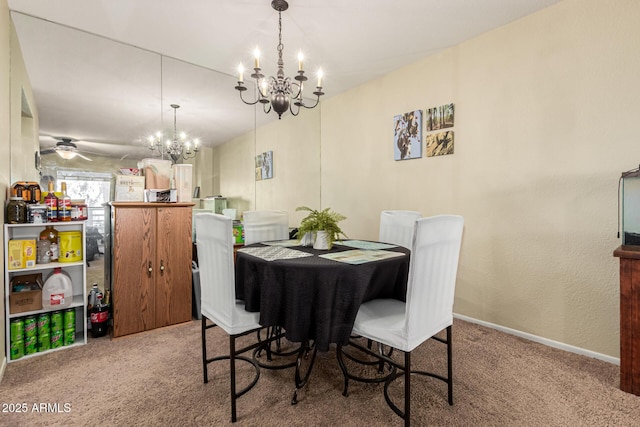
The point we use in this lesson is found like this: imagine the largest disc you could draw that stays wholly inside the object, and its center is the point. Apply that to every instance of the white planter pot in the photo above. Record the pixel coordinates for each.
(322, 241)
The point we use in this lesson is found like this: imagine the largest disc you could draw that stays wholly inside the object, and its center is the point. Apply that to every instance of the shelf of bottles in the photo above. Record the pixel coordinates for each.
(31, 332)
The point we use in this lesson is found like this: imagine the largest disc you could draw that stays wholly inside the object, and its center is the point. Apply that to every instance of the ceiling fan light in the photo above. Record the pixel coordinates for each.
(67, 155)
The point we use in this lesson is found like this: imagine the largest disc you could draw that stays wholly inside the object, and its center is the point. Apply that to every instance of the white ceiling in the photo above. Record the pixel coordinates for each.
(89, 87)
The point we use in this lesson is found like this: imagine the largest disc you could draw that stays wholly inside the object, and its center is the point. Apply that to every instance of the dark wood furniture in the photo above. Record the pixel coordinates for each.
(151, 265)
(629, 320)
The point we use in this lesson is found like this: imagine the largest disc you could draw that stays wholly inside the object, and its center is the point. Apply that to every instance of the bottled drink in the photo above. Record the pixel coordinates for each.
(99, 318)
(64, 204)
(51, 234)
(51, 202)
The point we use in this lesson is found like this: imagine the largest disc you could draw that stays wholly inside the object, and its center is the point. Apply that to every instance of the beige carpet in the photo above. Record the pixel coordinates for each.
(155, 379)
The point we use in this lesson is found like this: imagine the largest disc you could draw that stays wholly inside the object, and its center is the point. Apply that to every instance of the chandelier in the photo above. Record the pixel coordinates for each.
(179, 146)
(279, 93)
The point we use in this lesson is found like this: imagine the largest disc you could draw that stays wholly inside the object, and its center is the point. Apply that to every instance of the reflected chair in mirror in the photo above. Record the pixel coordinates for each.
(265, 226)
(218, 302)
(427, 312)
(396, 227)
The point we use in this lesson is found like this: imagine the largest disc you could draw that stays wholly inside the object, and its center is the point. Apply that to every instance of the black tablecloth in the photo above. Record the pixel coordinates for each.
(314, 298)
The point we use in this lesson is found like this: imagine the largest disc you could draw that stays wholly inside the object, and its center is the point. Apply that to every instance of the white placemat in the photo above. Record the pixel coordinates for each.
(284, 243)
(363, 244)
(361, 256)
(272, 253)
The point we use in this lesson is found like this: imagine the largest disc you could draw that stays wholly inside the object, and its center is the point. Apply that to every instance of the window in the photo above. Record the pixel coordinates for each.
(92, 187)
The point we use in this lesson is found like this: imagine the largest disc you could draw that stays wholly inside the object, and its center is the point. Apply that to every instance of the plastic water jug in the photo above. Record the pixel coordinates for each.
(57, 291)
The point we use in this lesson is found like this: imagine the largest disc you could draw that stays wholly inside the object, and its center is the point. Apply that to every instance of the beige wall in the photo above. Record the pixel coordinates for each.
(545, 122)
(546, 112)
(295, 143)
(235, 180)
(5, 146)
(24, 118)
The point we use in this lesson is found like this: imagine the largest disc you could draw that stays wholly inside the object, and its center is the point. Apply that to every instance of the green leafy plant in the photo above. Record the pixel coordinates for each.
(324, 220)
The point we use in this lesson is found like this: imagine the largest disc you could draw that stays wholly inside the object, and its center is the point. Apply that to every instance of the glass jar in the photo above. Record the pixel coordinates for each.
(16, 211)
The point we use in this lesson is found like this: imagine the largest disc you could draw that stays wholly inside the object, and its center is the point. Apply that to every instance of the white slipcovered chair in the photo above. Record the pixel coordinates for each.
(265, 226)
(396, 227)
(218, 302)
(428, 309)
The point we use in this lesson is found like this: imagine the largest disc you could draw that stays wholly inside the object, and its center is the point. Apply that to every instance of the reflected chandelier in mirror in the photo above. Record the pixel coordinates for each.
(179, 146)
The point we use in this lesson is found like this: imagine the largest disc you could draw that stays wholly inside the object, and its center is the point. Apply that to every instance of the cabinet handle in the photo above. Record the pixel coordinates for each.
(161, 266)
(150, 269)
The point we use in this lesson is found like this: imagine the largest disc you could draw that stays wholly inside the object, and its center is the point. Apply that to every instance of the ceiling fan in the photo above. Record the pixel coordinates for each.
(66, 148)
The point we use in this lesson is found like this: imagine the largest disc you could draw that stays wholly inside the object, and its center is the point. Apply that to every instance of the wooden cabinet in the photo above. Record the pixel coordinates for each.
(629, 320)
(150, 265)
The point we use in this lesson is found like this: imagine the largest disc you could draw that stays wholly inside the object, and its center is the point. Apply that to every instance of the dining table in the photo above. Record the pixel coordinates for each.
(314, 295)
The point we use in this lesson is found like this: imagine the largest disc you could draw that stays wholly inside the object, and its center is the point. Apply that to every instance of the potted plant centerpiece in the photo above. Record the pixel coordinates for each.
(323, 225)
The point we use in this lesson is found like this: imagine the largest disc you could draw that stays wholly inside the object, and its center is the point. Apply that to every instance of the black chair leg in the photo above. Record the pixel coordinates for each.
(235, 354)
(232, 370)
(406, 414)
(407, 389)
(204, 350)
(450, 365)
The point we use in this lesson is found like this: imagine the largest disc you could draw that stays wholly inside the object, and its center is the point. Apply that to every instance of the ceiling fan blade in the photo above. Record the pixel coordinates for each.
(48, 151)
(84, 157)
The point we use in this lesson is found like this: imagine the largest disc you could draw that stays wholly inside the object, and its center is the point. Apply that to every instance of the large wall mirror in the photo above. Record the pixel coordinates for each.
(109, 96)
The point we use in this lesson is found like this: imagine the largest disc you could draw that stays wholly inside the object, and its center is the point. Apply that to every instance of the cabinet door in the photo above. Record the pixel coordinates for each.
(133, 256)
(173, 276)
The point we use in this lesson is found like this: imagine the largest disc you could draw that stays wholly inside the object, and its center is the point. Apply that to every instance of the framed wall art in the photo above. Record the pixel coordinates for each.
(407, 135)
(441, 117)
(440, 143)
(264, 166)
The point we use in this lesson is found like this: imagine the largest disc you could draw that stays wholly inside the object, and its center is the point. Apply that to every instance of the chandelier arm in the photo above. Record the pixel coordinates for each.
(247, 102)
(298, 95)
(297, 110)
(309, 107)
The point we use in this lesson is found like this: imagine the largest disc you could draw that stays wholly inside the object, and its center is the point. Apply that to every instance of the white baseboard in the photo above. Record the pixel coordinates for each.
(541, 340)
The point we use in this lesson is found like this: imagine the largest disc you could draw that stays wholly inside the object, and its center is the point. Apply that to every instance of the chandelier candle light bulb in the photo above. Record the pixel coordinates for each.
(256, 55)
